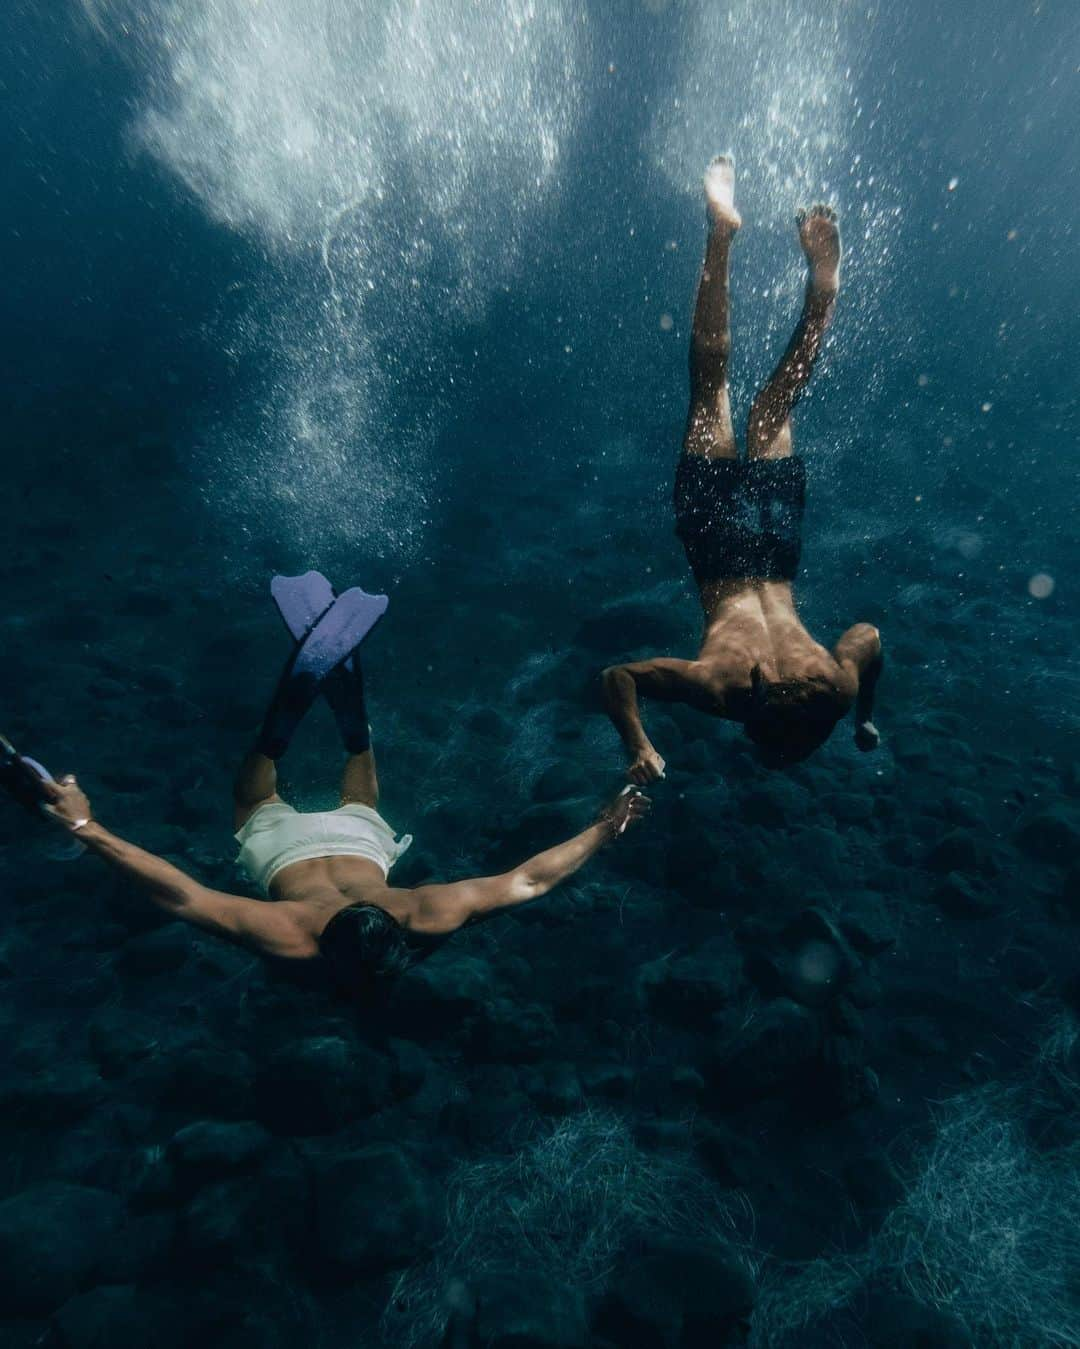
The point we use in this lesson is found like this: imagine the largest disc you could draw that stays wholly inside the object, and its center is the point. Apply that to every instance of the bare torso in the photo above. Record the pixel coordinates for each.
(754, 626)
(319, 887)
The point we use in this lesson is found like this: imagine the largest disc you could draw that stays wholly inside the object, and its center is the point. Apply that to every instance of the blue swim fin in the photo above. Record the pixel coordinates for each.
(302, 601)
(22, 777)
(339, 632)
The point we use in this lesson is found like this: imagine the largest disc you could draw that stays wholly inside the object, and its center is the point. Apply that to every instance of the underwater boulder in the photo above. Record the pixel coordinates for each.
(210, 1149)
(768, 1056)
(896, 1321)
(1049, 835)
(689, 989)
(100, 1319)
(118, 1038)
(161, 951)
(554, 1088)
(201, 1080)
(524, 1309)
(866, 923)
(732, 1159)
(53, 1238)
(237, 1218)
(373, 1209)
(961, 898)
(627, 627)
(52, 1098)
(678, 1295)
(316, 1085)
(1070, 893)
(955, 851)
(436, 997)
(512, 1032)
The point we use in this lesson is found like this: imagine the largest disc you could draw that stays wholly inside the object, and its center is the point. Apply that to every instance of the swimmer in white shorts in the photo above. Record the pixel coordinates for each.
(327, 872)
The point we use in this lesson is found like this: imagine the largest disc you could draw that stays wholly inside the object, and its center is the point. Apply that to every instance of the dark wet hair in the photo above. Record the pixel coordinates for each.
(788, 720)
(363, 948)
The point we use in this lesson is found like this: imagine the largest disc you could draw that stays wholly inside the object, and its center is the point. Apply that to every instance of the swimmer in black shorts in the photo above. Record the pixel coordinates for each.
(740, 522)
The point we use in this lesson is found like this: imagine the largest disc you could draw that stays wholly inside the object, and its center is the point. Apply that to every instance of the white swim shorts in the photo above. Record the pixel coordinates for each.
(276, 835)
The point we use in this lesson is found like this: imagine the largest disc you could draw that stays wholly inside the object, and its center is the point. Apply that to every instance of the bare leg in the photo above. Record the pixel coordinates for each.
(708, 427)
(359, 783)
(255, 786)
(768, 434)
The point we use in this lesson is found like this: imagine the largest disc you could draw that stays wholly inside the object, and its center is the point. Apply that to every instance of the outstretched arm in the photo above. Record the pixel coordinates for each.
(443, 908)
(859, 651)
(673, 681)
(269, 928)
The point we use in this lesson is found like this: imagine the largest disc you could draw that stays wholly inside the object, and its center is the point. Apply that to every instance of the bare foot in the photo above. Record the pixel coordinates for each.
(819, 235)
(720, 193)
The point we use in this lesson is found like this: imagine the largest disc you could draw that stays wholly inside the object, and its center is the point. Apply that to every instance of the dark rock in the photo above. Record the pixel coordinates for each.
(554, 1088)
(732, 1159)
(559, 782)
(372, 1209)
(203, 1080)
(688, 989)
(104, 1318)
(912, 752)
(768, 1056)
(769, 806)
(955, 851)
(242, 1217)
(521, 1309)
(158, 952)
(626, 627)
(172, 710)
(52, 1239)
(118, 1039)
(489, 722)
(1024, 968)
(961, 898)
(873, 1184)
(1070, 893)
(1049, 835)
(409, 1068)
(53, 1098)
(148, 603)
(810, 960)
(919, 1035)
(843, 1082)
(197, 807)
(849, 807)
(511, 1032)
(964, 807)
(210, 1149)
(894, 1321)
(866, 923)
(613, 1081)
(142, 1251)
(314, 1086)
(126, 778)
(679, 1296)
(436, 997)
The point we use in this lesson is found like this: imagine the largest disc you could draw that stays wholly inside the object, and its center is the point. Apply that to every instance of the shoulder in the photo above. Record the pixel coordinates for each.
(859, 645)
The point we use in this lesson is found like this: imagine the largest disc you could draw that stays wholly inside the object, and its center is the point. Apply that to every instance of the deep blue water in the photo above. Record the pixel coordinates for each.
(402, 292)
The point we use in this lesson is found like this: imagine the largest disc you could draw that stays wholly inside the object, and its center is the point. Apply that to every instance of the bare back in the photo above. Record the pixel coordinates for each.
(754, 626)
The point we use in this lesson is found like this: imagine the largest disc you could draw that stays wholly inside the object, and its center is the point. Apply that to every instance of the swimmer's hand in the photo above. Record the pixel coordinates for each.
(67, 803)
(627, 808)
(867, 736)
(646, 766)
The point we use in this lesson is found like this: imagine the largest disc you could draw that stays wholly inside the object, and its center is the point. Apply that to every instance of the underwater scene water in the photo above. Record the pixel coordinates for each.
(401, 292)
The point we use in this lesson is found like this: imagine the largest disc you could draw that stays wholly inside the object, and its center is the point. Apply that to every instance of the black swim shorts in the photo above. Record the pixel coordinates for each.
(740, 518)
